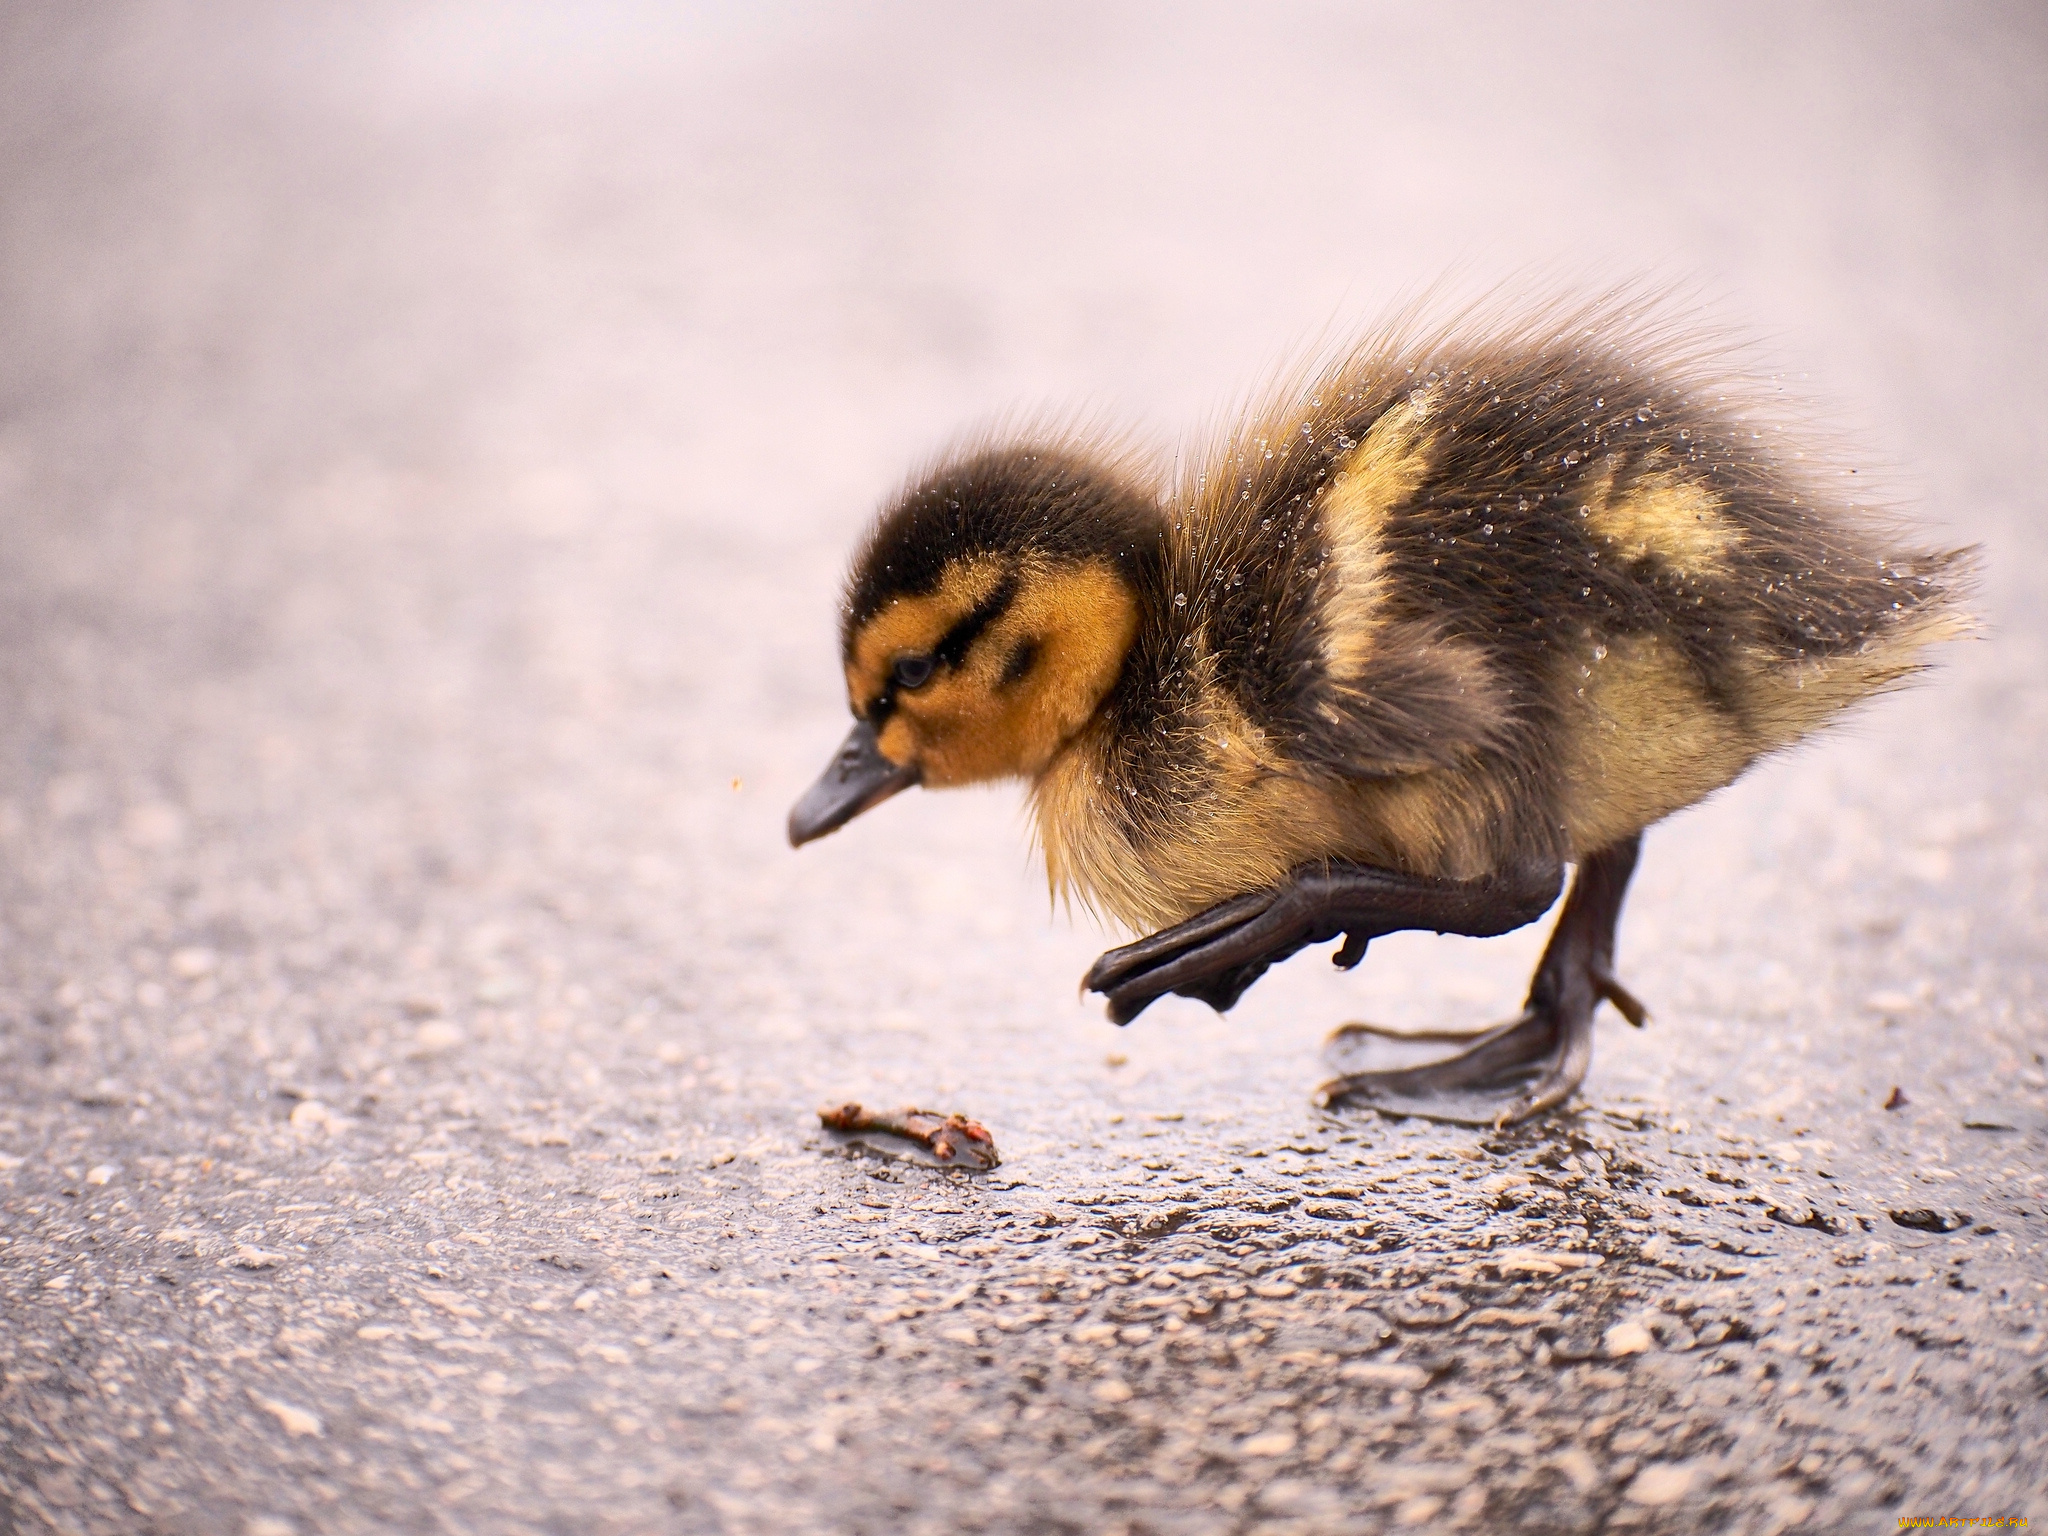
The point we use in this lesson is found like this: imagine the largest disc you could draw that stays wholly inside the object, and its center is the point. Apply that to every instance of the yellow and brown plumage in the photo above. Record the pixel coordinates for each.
(1464, 607)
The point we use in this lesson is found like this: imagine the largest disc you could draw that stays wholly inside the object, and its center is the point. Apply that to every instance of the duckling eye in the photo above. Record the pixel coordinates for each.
(911, 671)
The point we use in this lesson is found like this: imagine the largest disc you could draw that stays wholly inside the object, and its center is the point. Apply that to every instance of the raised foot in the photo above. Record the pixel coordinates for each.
(1216, 954)
(1212, 957)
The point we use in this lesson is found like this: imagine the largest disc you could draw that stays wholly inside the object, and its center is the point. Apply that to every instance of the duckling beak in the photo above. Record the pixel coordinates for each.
(857, 778)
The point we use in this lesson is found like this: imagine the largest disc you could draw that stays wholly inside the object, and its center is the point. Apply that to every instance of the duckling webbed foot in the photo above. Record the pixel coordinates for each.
(1214, 956)
(1528, 1064)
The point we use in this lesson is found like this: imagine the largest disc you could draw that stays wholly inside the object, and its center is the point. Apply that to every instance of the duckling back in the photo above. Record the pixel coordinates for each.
(1464, 601)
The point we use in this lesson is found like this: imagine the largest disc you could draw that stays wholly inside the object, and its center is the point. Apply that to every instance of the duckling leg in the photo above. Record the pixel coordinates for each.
(1215, 955)
(1534, 1062)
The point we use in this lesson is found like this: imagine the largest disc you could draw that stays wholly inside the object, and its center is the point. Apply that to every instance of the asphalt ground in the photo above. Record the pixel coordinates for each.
(430, 440)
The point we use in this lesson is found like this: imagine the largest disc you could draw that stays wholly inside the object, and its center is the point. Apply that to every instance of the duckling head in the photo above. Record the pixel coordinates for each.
(988, 615)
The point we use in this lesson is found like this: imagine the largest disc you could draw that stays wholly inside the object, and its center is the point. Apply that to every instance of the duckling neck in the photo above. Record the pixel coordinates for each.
(1070, 801)
(1082, 798)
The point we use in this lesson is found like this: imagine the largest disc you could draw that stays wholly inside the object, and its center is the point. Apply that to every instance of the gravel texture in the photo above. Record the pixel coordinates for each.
(430, 440)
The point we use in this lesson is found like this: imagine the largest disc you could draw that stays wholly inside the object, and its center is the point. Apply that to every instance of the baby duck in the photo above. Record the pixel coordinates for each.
(1474, 604)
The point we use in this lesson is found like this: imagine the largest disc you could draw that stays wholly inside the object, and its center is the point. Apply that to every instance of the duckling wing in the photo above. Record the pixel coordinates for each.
(1393, 695)
(1300, 567)
(1420, 700)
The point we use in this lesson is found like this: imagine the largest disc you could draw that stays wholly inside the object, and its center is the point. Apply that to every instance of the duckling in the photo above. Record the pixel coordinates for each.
(1469, 605)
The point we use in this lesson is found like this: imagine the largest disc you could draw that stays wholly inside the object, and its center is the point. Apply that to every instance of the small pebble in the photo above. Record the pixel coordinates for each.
(310, 1115)
(1276, 1442)
(191, 963)
(1627, 1339)
(1380, 1373)
(437, 1035)
(1662, 1482)
(1577, 1466)
(295, 1421)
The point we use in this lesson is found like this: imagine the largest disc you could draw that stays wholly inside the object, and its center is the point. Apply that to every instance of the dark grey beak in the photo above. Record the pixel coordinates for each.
(857, 777)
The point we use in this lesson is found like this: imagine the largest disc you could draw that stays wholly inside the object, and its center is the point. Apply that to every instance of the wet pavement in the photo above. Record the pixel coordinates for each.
(429, 447)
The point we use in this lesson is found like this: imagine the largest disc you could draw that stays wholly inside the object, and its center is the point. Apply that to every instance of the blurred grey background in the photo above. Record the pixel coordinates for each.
(430, 441)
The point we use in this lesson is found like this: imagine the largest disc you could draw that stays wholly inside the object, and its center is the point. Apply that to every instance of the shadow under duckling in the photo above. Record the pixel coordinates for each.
(1470, 605)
